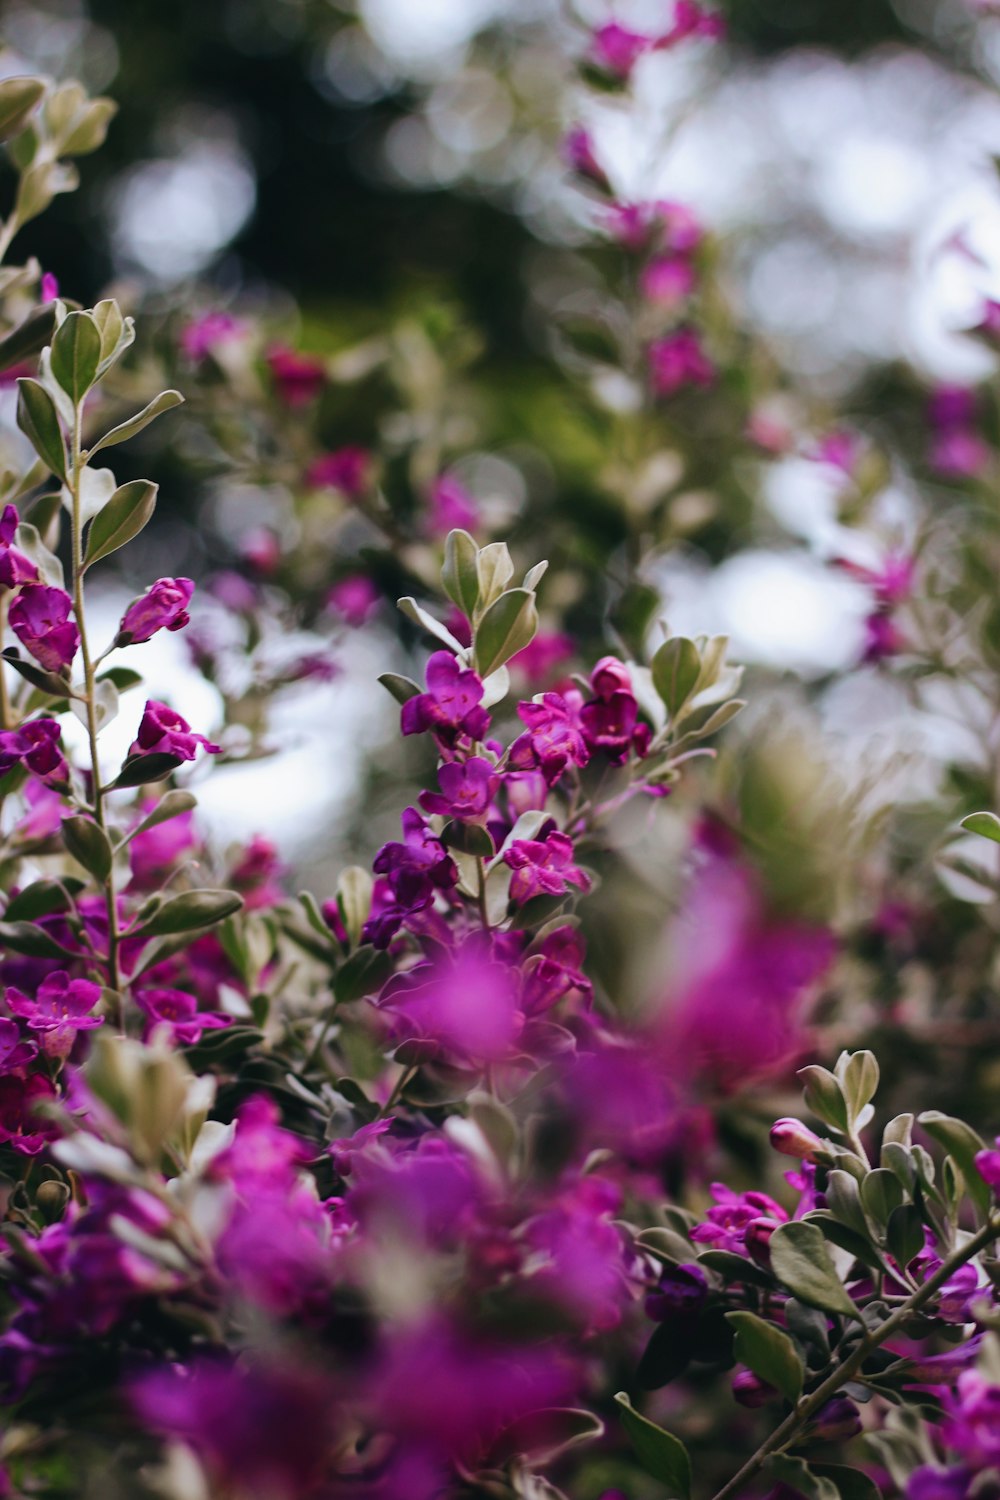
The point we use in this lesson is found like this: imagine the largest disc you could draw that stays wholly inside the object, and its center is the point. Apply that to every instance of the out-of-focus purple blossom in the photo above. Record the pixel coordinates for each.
(257, 874)
(678, 360)
(49, 289)
(578, 1252)
(164, 732)
(260, 550)
(951, 406)
(40, 618)
(234, 591)
(35, 745)
(347, 469)
(988, 1166)
(205, 335)
(749, 1390)
(154, 853)
(840, 449)
(579, 153)
(465, 1002)
(164, 606)
(354, 599)
(298, 378)
(931, 1483)
(15, 568)
(178, 1012)
(553, 739)
(615, 49)
(262, 1432)
(680, 1294)
(542, 656)
(61, 1008)
(451, 705)
(972, 1420)
(21, 1125)
(691, 20)
(451, 507)
(414, 870)
(668, 280)
(346, 1148)
(467, 790)
(658, 224)
(838, 1420)
(15, 1053)
(959, 453)
(543, 867)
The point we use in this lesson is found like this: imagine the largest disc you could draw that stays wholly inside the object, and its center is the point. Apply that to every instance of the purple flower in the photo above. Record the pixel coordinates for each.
(178, 1012)
(578, 153)
(668, 280)
(36, 746)
(49, 289)
(347, 469)
(931, 1483)
(792, 1138)
(679, 360)
(414, 870)
(15, 568)
(162, 607)
(680, 1295)
(972, 1423)
(836, 1420)
(543, 867)
(208, 333)
(467, 790)
(465, 1003)
(40, 618)
(355, 599)
(452, 507)
(610, 720)
(727, 1222)
(691, 19)
(988, 1166)
(451, 704)
(164, 732)
(554, 739)
(298, 378)
(20, 1125)
(616, 49)
(540, 658)
(14, 1053)
(59, 1010)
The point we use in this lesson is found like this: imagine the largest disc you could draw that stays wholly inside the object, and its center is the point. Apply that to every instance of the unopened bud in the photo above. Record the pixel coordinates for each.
(792, 1138)
(750, 1390)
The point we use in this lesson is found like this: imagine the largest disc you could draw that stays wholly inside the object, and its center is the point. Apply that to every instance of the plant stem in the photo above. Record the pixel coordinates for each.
(5, 720)
(114, 980)
(809, 1405)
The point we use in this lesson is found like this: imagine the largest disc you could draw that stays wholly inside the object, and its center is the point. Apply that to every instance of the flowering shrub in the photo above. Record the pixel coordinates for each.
(406, 1189)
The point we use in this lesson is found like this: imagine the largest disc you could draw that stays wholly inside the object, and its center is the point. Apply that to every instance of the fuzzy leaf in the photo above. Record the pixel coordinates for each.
(192, 910)
(676, 667)
(963, 1143)
(89, 845)
(802, 1264)
(508, 625)
(37, 419)
(122, 518)
(165, 401)
(768, 1352)
(659, 1452)
(76, 353)
(460, 576)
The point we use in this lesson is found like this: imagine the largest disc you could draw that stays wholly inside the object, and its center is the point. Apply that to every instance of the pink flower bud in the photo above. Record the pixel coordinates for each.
(792, 1138)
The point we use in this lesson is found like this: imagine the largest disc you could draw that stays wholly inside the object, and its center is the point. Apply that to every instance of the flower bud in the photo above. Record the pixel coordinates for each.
(750, 1390)
(792, 1138)
(757, 1239)
(838, 1419)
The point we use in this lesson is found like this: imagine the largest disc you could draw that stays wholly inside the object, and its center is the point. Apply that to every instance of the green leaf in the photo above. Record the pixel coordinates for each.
(468, 838)
(852, 1484)
(459, 576)
(171, 805)
(413, 611)
(802, 1264)
(124, 516)
(141, 770)
(676, 667)
(89, 845)
(90, 129)
(732, 1267)
(41, 899)
(659, 1452)
(852, 1240)
(825, 1097)
(76, 353)
(18, 98)
(192, 910)
(963, 1143)
(494, 569)
(26, 937)
(506, 628)
(858, 1074)
(986, 824)
(362, 974)
(37, 419)
(122, 677)
(29, 337)
(843, 1198)
(798, 1475)
(401, 688)
(46, 682)
(354, 901)
(165, 401)
(881, 1194)
(768, 1352)
(905, 1234)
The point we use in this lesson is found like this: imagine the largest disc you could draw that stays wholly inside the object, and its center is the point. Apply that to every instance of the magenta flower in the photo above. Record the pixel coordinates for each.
(14, 1053)
(542, 656)
(298, 378)
(49, 289)
(668, 280)
(959, 453)
(451, 704)
(260, 549)
(15, 568)
(164, 732)
(464, 1002)
(578, 153)
(553, 739)
(36, 746)
(40, 618)
(21, 1126)
(178, 1012)
(61, 1008)
(210, 332)
(678, 360)
(988, 1166)
(690, 20)
(451, 507)
(355, 599)
(543, 867)
(162, 607)
(732, 1215)
(346, 469)
(972, 1422)
(792, 1138)
(467, 790)
(616, 49)
(610, 720)
(414, 870)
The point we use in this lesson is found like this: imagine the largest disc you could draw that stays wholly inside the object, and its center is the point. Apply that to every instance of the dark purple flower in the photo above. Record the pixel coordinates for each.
(931, 1483)
(691, 19)
(164, 732)
(49, 290)
(836, 1420)
(467, 790)
(347, 469)
(414, 870)
(162, 607)
(988, 1166)
(553, 738)
(725, 1226)
(543, 867)
(35, 745)
(14, 1053)
(680, 1295)
(451, 704)
(297, 377)
(178, 1012)
(610, 720)
(15, 568)
(60, 1009)
(678, 360)
(21, 1126)
(749, 1390)
(40, 618)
